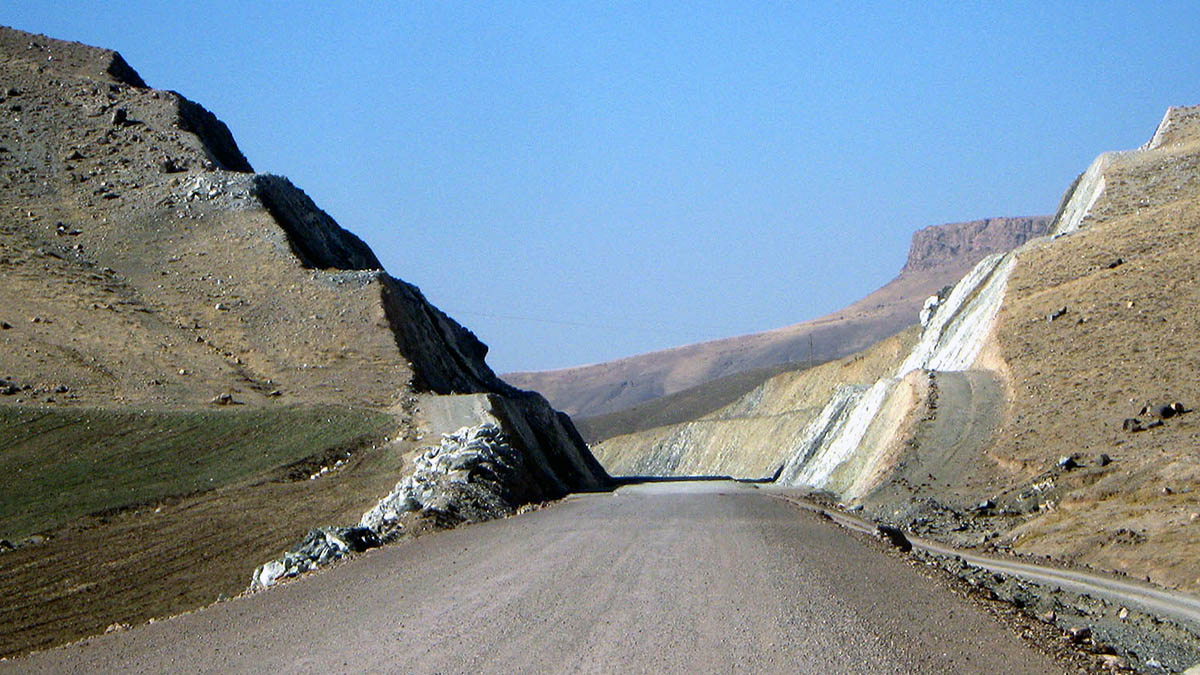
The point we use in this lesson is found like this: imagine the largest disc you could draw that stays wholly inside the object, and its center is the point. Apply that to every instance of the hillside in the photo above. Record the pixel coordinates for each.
(1028, 414)
(939, 256)
(198, 365)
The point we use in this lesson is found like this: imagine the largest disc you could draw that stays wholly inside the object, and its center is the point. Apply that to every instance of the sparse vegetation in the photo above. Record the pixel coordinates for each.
(57, 465)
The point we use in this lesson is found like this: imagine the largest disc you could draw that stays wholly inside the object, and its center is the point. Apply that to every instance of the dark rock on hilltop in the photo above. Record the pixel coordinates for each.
(939, 245)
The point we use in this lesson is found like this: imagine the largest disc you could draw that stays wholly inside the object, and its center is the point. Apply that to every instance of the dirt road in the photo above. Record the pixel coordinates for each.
(667, 577)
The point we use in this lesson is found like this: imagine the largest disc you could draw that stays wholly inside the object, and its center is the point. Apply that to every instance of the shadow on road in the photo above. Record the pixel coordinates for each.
(621, 481)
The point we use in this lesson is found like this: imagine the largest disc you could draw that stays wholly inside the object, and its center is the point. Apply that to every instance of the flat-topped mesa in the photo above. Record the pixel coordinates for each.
(954, 243)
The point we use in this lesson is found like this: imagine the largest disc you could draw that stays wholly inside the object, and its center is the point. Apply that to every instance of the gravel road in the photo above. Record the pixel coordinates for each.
(664, 577)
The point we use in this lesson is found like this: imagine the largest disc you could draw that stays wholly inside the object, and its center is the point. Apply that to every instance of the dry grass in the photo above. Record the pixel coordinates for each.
(173, 554)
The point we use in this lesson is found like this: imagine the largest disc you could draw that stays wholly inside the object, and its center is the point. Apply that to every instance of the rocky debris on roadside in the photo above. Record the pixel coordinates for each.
(320, 547)
(1118, 637)
(463, 479)
(466, 478)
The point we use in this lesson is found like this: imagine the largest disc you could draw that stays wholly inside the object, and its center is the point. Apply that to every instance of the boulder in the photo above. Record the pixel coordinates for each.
(894, 536)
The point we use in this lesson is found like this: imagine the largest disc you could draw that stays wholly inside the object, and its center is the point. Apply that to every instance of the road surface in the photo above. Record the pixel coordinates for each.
(664, 577)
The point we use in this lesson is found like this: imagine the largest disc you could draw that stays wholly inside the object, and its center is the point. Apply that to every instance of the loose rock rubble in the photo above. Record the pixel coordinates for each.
(468, 477)
(320, 547)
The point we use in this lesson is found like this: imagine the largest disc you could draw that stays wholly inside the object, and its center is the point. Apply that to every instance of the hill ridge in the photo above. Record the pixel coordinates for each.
(938, 256)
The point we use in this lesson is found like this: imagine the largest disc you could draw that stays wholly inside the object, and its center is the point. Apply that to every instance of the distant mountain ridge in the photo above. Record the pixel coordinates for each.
(939, 256)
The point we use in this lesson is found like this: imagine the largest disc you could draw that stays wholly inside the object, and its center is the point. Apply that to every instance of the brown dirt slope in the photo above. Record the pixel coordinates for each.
(1129, 280)
(144, 270)
(143, 263)
(939, 256)
(1096, 325)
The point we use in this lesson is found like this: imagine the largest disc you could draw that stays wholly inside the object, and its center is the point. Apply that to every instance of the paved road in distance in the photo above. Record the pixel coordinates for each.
(665, 577)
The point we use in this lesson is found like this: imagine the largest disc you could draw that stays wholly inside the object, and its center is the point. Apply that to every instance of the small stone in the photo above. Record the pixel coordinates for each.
(1115, 662)
(1056, 314)
(1079, 634)
(1123, 614)
(222, 307)
(120, 117)
(4, 325)
(1104, 459)
(1049, 617)
(74, 155)
(1067, 462)
(222, 399)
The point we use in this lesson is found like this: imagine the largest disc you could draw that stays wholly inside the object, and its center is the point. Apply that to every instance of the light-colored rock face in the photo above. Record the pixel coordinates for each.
(469, 476)
(1018, 391)
(939, 255)
(755, 436)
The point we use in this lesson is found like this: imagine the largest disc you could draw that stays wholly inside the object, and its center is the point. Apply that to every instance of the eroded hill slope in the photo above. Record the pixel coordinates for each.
(939, 256)
(1030, 414)
(210, 356)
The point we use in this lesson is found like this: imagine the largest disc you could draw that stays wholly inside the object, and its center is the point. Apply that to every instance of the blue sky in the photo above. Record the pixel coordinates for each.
(577, 182)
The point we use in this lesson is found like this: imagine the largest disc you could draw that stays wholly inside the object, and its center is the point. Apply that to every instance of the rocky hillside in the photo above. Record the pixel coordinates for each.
(154, 290)
(964, 244)
(939, 256)
(1045, 406)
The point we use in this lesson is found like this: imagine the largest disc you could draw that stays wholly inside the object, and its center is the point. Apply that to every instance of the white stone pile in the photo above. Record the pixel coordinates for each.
(469, 476)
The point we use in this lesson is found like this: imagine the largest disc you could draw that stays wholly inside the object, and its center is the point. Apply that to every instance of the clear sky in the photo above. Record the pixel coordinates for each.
(580, 181)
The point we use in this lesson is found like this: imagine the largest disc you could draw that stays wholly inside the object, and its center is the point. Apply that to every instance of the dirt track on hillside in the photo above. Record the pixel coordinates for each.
(674, 577)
